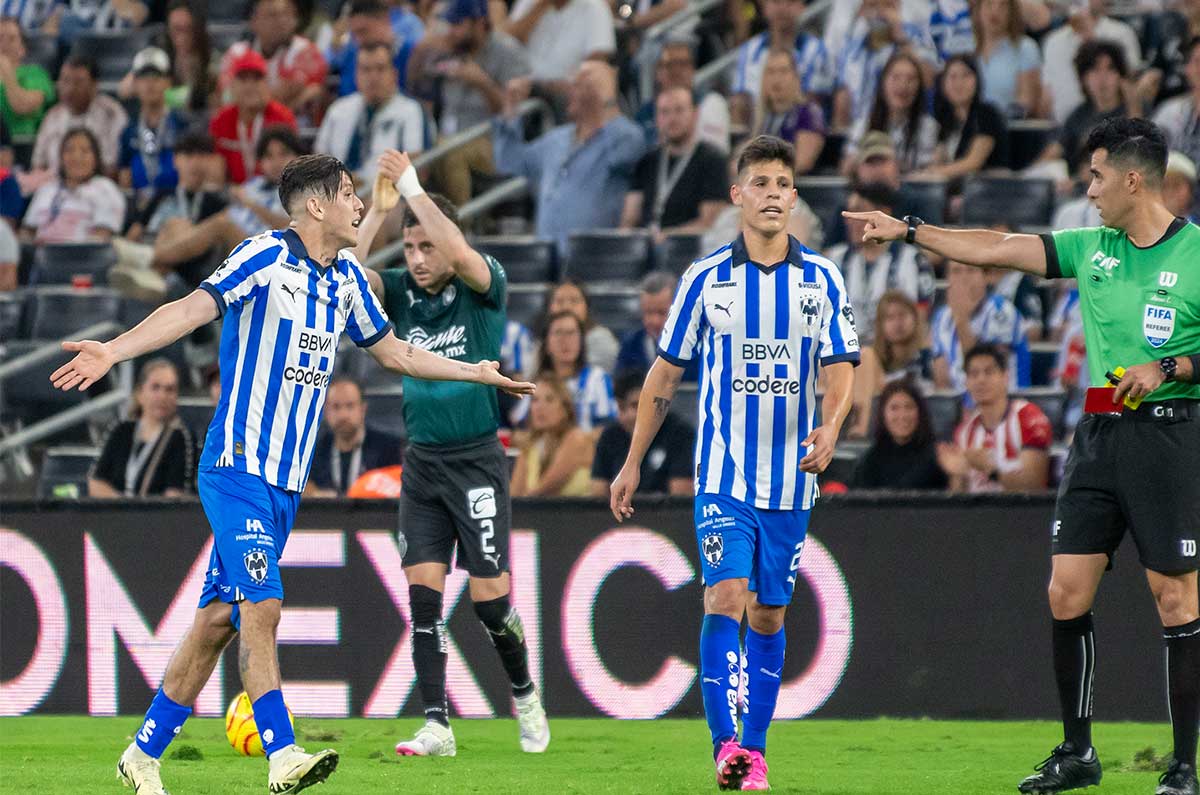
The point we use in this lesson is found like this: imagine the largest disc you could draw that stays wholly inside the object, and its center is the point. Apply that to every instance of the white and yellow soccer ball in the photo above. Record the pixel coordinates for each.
(240, 729)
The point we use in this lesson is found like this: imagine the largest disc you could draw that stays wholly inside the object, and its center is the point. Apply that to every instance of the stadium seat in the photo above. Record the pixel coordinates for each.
(1043, 359)
(196, 413)
(113, 51)
(54, 312)
(826, 197)
(11, 306)
(385, 411)
(618, 309)
(1027, 139)
(526, 303)
(65, 472)
(1051, 400)
(945, 408)
(678, 251)
(841, 468)
(526, 259)
(223, 35)
(686, 405)
(230, 13)
(42, 49)
(830, 158)
(63, 263)
(1018, 203)
(925, 199)
(29, 396)
(608, 255)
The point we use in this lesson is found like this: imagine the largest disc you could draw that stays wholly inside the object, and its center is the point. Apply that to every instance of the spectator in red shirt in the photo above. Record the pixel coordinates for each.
(236, 127)
(1002, 444)
(296, 70)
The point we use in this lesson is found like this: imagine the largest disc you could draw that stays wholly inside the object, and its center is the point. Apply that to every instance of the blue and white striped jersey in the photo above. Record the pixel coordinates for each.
(813, 65)
(996, 321)
(283, 317)
(760, 332)
(592, 391)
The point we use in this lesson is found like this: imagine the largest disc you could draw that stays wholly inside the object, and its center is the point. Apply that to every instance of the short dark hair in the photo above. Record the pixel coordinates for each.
(880, 194)
(371, 8)
(627, 381)
(283, 134)
(195, 142)
(994, 352)
(319, 174)
(447, 207)
(1090, 52)
(373, 46)
(80, 61)
(347, 379)
(93, 142)
(924, 432)
(765, 149)
(1139, 143)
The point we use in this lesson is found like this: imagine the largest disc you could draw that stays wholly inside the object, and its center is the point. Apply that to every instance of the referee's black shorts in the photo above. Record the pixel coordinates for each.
(1141, 471)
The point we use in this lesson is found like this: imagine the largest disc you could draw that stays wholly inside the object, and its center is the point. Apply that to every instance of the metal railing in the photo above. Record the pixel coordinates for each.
(694, 9)
(65, 419)
(52, 350)
(713, 70)
(464, 137)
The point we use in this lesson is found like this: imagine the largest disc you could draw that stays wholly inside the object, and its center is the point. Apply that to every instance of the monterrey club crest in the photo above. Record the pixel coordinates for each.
(712, 546)
(256, 565)
(1158, 324)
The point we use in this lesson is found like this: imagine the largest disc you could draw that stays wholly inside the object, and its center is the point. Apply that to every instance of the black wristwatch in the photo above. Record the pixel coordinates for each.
(1169, 366)
(913, 222)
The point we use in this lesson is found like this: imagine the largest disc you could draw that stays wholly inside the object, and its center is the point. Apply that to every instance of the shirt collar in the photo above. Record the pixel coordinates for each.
(295, 246)
(795, 255)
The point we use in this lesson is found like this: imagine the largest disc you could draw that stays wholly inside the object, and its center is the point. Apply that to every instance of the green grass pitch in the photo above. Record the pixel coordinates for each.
(53, 755)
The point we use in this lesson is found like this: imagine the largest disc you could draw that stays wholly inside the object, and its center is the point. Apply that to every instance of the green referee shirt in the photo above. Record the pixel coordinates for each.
(457, 323)
(1138, 304)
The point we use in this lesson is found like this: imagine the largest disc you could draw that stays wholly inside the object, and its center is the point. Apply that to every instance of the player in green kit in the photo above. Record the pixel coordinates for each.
(1135, 469)
(451, 299)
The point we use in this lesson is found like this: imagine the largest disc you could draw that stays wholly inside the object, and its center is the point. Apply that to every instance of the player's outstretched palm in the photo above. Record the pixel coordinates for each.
(880, 227)
(92, 361)
(490, 374)
(620, 499)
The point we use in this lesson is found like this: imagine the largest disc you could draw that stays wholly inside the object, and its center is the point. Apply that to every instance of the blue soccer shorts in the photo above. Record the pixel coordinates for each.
(251, 521)
(738, 540)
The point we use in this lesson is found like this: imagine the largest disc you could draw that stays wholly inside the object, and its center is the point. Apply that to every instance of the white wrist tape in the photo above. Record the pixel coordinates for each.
(408, 184)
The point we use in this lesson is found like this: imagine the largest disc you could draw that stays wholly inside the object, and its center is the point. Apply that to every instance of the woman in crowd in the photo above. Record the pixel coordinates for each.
(1009, 61)
(903, 454)
(602, 344)
(150, 453)
(81, 205)
(972, 133)
(556, 458)
(900, 350)
(562, 351)
(785, 112)
(899, 111)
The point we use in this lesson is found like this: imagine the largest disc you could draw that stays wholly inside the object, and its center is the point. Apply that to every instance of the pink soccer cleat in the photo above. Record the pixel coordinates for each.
(733, 764)
(756, 779)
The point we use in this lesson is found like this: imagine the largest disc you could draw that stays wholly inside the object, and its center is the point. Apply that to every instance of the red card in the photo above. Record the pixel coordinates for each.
(1099, 400)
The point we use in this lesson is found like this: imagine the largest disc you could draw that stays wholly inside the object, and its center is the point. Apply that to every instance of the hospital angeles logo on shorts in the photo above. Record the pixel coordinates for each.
(1158, 324)
(712, 546)
(256, 565)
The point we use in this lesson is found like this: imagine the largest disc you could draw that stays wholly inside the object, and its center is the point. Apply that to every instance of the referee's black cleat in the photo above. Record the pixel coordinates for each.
(1180, 779)
(1063, 770)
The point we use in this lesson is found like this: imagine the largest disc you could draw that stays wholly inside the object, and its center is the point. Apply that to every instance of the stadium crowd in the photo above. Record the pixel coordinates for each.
(140, 141)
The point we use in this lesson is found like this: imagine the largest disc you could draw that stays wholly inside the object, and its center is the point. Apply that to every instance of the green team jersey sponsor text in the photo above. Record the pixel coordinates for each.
(457, 323)
(1138, 304)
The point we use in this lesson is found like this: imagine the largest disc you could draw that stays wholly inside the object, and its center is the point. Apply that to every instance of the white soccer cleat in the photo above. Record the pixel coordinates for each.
(433, 739)
(292, 769)
(140, 772)
(531, 718)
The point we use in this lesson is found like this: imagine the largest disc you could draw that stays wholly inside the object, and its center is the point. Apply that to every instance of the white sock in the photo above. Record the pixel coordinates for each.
(136, 754)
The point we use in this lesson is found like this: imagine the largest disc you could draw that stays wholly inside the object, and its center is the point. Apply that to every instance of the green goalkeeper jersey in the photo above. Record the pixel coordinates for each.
(1138, 304)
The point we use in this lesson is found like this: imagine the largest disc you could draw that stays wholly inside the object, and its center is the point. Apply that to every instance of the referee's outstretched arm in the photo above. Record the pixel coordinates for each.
(981, 247)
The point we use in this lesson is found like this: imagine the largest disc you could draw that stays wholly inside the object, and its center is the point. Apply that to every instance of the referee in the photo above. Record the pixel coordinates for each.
(454, 495)
(1129, 468)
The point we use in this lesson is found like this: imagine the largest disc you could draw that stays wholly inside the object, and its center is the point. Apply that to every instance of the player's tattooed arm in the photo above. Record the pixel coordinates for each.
(662, 405)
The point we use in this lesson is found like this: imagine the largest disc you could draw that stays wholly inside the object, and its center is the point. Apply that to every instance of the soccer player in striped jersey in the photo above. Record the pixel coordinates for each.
(759, 314)
(285, 297)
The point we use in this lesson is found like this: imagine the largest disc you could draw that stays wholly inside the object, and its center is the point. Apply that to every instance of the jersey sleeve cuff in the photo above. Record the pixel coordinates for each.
(377, 336)
(675, 360)
(216, 296)
(851, 356)
(1053, 266)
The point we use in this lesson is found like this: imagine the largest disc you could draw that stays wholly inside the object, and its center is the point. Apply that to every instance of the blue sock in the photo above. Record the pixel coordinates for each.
(720, 671)
(764, 663)
(163, 721)
(271, 717)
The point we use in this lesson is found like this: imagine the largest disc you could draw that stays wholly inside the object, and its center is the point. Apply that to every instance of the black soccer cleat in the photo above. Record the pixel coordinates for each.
(1180, 779)
(1063, 770)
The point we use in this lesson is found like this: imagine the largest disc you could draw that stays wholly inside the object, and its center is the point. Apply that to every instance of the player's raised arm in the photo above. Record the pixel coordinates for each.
(981, 247)
(407, 359)
(657, 393)
(384, 198)
(444, 233)
(164, 325)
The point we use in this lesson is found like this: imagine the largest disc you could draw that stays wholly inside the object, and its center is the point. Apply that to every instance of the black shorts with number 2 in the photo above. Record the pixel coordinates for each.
(1140, 473)
(456, 496)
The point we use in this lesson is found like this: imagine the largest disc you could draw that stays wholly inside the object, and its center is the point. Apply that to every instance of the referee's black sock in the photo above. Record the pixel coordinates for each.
(429, 650)
(1183, 687)
(504, 627)
(1074, 668)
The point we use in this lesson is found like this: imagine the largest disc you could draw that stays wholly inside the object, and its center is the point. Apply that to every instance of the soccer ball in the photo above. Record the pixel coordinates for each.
(240, 728)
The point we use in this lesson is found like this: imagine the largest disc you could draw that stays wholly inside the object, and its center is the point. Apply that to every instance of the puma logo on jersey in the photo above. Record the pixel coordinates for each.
(725, 308)
(293, 292)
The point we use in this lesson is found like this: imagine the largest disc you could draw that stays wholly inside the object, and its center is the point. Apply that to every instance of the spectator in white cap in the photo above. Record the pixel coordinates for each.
(1179, 185)
(145, 160)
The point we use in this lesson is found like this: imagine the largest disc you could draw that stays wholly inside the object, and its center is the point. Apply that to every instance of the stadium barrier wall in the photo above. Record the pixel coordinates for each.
(904, 606)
